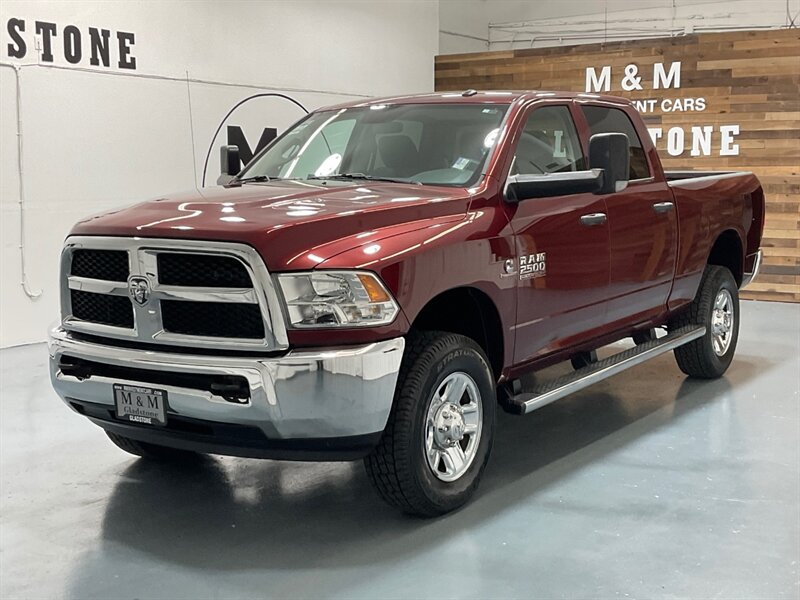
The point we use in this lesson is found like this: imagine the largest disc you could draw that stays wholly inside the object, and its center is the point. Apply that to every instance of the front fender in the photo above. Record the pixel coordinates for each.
(419, 264)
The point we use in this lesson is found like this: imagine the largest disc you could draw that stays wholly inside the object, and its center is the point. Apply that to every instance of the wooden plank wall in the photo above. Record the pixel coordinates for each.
(748, 78)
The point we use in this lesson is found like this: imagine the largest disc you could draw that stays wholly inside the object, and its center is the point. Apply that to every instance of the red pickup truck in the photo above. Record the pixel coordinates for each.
(381, 277)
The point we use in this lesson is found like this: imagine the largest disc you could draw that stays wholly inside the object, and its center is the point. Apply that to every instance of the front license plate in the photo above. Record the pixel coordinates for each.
(140, 404)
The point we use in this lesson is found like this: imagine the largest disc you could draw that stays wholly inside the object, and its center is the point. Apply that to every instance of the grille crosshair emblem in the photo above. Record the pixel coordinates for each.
(139, 289)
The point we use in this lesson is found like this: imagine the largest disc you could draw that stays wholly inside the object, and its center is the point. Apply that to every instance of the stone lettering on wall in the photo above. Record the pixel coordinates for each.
(91, 46)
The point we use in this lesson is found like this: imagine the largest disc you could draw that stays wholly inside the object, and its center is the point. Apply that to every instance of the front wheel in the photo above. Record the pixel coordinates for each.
(439, 434)
(717, 307)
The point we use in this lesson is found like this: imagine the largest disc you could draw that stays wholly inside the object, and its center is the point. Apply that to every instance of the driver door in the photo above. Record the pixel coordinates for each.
(563, 256)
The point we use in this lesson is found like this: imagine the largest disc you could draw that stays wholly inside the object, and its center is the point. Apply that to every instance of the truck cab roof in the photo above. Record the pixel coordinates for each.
(479, 97)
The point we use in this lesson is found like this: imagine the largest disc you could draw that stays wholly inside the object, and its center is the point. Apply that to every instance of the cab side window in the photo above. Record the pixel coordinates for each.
(603, 119)
(549, 144)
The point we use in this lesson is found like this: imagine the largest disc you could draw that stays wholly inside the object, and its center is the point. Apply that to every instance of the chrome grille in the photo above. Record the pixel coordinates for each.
(202, 270)
(176, 292)
(102, 308)
(216, 319)
(108, 265)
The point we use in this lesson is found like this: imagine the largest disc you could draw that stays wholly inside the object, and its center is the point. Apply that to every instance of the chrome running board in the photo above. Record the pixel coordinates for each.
(550, 391)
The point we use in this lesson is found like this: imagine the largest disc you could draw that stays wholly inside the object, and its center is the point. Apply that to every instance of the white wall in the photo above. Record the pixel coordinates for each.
(480, 25)
(95, 138)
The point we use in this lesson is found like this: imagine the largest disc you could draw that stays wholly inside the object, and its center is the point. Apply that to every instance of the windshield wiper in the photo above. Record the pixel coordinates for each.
(254, 178)
(263, 178)
(350, 176)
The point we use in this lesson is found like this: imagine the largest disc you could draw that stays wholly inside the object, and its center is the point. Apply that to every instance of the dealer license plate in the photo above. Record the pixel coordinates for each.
(140, 404)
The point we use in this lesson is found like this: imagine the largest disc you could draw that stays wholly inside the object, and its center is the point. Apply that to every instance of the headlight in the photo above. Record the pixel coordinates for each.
(336, 298)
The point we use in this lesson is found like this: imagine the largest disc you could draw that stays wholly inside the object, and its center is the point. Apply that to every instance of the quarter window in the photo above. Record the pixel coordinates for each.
(548, 144)
(612, 120)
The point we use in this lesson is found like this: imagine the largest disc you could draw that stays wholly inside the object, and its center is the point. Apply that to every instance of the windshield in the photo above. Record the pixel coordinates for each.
(435, 144)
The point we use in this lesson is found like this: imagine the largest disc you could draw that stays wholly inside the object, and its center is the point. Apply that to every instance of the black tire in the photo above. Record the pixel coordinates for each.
(398, 467)
(698, 358)
(151, 451)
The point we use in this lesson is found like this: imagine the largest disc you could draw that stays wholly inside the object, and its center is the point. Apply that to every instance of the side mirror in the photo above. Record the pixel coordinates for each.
(230, 164)
(522, 187)
(610, 152)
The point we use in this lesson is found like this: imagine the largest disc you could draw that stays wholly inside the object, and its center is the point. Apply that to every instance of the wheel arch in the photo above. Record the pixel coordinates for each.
(470, 312)
(728, 251)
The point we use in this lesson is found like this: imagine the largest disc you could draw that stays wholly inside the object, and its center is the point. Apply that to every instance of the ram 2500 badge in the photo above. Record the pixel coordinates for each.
(379, 279)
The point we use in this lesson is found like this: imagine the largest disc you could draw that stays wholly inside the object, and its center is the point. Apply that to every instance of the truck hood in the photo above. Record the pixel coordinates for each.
(293, 224)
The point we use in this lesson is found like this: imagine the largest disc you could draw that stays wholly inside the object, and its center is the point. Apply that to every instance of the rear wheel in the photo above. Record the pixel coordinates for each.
(439, 435)
(150, 451)
(717, 307)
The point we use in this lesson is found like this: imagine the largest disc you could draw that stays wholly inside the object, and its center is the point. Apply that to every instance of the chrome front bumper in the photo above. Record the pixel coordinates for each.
(304, 394)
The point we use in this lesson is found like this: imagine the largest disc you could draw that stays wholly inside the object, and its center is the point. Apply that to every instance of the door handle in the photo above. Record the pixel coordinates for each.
(593, 219)
(663, 207)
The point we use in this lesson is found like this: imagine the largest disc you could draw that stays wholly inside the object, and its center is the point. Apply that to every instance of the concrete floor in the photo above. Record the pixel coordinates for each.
(648, 485)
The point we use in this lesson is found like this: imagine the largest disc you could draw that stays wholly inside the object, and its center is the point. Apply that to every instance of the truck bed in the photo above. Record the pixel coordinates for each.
(673, 176)
(712, 204)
